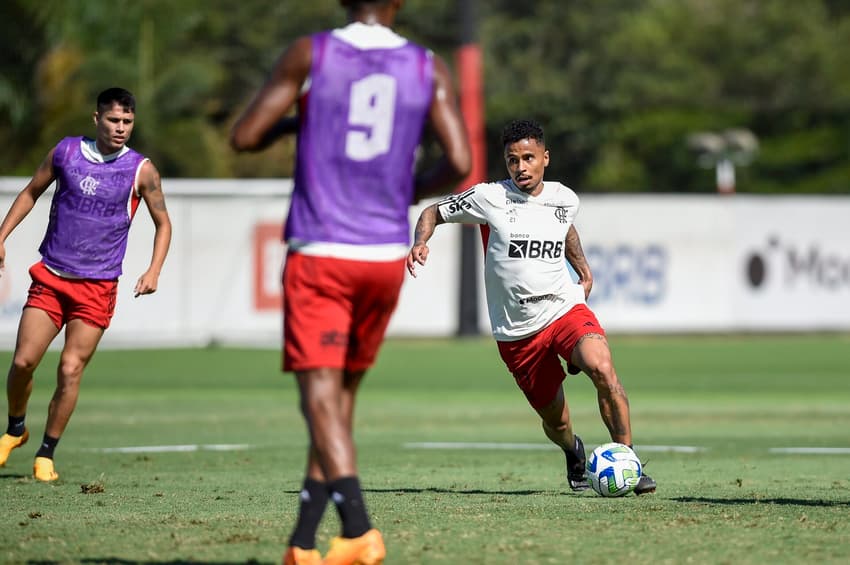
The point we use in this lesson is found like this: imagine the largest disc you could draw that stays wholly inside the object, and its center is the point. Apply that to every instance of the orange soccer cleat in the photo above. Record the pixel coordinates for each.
(43, 470)
(9, 442)
(368, 549)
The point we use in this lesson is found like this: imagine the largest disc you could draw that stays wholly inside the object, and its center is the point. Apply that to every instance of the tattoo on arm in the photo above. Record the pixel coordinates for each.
(428, 220)
(151, 189)
(575, 254)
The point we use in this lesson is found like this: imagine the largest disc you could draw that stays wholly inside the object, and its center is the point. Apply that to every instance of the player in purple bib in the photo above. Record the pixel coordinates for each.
(365, 95)
(99, 185)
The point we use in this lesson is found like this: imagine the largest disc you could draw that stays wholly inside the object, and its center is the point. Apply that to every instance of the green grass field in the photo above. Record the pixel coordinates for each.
(732, 501)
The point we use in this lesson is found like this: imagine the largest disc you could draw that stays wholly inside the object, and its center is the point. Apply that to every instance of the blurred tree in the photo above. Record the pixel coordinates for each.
(22, 43)
(619, 85)
(141, 45)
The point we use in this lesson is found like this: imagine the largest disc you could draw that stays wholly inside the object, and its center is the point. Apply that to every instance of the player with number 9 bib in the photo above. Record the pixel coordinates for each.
(364, 95)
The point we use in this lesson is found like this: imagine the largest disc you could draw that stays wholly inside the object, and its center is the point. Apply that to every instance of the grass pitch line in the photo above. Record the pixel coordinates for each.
(536, 446)
(174, 448)
(812, 450)
(476, 445)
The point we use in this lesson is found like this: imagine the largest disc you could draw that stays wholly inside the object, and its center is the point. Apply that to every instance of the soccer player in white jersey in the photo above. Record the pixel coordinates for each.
(536, 312)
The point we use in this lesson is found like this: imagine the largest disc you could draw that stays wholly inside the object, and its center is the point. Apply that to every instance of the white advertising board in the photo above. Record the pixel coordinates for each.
(661, 263)
(718, 263)
(221, 281)
(792, 262)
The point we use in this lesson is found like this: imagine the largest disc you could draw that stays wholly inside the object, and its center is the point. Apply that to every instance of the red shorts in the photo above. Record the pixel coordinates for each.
(534, 361)
(336, 311)
(92, 301)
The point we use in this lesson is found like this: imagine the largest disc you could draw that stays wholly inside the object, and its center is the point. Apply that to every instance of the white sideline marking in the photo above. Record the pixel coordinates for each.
(535, 446)
(812, 450)
(671, 448)
(475, 445)
(462, 445)
(175, 448)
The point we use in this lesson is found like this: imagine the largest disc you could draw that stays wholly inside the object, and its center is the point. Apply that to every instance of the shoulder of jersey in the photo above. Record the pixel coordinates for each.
(563, 190)
(559, 186)
(496, 189)
(494, 186)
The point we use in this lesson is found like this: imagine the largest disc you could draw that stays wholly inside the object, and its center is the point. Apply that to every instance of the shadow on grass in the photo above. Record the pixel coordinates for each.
(777, 501)
(120, 561)
(13, 476)
(445, 491)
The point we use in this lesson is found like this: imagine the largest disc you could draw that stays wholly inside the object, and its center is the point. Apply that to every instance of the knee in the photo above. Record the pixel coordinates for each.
(24, 364)
(71, 370)
(315, 406)
(604, 376)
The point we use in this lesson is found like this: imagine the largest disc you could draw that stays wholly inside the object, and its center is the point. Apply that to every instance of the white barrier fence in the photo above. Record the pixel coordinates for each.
(661, 263)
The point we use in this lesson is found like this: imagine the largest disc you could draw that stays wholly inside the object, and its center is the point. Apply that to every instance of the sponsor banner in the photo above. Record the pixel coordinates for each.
(221, 281)
(792, 264)
(718, 263)
(21, 253)
(269, 257)
(660, 264)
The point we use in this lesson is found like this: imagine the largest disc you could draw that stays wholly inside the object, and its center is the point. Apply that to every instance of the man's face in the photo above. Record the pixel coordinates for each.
(526, 159)
(114, 127)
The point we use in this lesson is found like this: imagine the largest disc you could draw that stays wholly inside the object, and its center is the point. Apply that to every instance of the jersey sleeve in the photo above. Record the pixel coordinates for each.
(464, 208)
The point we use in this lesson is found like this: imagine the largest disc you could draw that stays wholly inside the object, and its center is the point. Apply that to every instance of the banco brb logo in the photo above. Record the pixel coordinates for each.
(535, 249)
(792, 264)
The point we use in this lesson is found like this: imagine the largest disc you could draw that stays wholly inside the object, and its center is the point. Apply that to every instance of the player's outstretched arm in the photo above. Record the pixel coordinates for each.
(25, 201)
(428, 220)
(150, 188)
(265, 120)
(445, 119)
(577, 260)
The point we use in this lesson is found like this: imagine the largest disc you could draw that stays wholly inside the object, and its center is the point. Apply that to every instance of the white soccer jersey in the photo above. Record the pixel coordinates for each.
(526, 277)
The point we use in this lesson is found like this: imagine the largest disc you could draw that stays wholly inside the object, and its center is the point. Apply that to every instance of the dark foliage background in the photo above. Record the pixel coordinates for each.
(620, 85)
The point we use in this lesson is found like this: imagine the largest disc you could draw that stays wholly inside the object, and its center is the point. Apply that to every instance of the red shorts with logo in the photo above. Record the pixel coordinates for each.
(336, 311)
(92, 301)
(535, 361)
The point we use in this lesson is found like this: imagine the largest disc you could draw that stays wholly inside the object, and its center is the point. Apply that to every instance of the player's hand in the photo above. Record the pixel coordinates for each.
(146, 284)
(418, 254)
(2, 255)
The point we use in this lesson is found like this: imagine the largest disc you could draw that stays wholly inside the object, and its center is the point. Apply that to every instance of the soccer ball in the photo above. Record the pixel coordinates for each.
(613, 469)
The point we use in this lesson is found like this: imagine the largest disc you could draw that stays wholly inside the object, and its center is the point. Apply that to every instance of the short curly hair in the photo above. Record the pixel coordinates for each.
(522, 129)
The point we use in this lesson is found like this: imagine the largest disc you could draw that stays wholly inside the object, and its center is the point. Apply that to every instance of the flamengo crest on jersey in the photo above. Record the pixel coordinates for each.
(526, 277)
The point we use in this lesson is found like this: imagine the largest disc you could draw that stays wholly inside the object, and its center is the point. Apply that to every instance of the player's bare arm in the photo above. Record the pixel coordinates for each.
(265, 119)
(577, 260)
(25, 201)
(428, 220)
(150, 189)
(445, 119)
